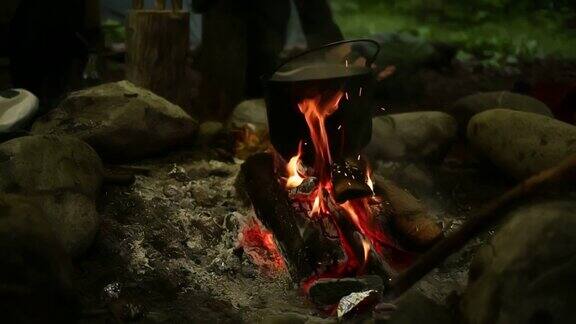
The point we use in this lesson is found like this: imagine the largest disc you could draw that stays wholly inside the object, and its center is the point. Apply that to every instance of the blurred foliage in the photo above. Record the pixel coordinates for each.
(114, 31)
(494, 32)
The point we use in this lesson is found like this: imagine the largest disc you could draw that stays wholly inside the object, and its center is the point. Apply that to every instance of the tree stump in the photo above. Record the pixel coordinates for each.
(157, 47)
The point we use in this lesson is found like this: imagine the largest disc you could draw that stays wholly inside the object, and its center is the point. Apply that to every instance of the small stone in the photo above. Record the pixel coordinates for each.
(249, 113)
(355, 301)
(179, 173)
(171, 191)
(111, 291)
(329, 291)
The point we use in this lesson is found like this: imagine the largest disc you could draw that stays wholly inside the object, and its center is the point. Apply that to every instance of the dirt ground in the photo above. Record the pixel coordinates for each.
(168, 246)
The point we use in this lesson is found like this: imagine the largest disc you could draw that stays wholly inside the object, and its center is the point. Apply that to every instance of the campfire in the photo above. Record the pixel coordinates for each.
(313, 194)
(350, 222)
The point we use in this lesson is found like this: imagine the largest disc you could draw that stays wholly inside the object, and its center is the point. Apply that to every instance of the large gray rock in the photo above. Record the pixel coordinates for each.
(527, 273)
(251, 112)
(521, 143)
(74, 217)
(63, 176)
(35, 272)
(465, 108)
(40, 164)
(425, 135)
(120, 121)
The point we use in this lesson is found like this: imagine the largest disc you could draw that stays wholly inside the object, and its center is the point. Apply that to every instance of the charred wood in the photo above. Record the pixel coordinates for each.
(300, 240)
(407, 216)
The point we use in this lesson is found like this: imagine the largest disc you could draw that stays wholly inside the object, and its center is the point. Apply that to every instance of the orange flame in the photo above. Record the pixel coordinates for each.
(369, 179)
(366, 245)
(357, 211)
(315, 111)
(293, 169)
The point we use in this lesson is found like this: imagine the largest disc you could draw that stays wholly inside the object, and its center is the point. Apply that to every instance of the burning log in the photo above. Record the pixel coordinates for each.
(349, 180)
(300, 240)
(408, 217)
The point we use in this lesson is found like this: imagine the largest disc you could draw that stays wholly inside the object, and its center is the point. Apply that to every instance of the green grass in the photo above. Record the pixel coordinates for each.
(525, 36)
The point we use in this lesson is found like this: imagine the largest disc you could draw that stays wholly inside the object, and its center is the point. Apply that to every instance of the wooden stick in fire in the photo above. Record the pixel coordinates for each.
(563, 172)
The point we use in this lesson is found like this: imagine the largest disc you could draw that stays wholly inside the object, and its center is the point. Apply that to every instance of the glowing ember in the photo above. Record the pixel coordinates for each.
(258, 243)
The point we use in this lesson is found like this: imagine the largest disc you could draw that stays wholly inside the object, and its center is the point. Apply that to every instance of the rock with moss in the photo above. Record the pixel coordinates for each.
(465, 108)
(120, 121)
(527, 272)
(63, 175)
(521, 143)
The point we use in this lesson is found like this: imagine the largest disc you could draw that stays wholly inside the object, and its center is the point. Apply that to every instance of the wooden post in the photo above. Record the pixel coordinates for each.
(176, 5)
(160, 4)
(157, 47)
(137, 4)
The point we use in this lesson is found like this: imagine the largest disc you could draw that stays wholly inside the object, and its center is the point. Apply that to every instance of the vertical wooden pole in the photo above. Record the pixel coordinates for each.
(137, 4)
(160, 4)
(176, 5)
(157, 44)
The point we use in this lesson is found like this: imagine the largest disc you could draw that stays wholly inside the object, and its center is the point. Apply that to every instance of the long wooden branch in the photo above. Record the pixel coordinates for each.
(565, 171)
